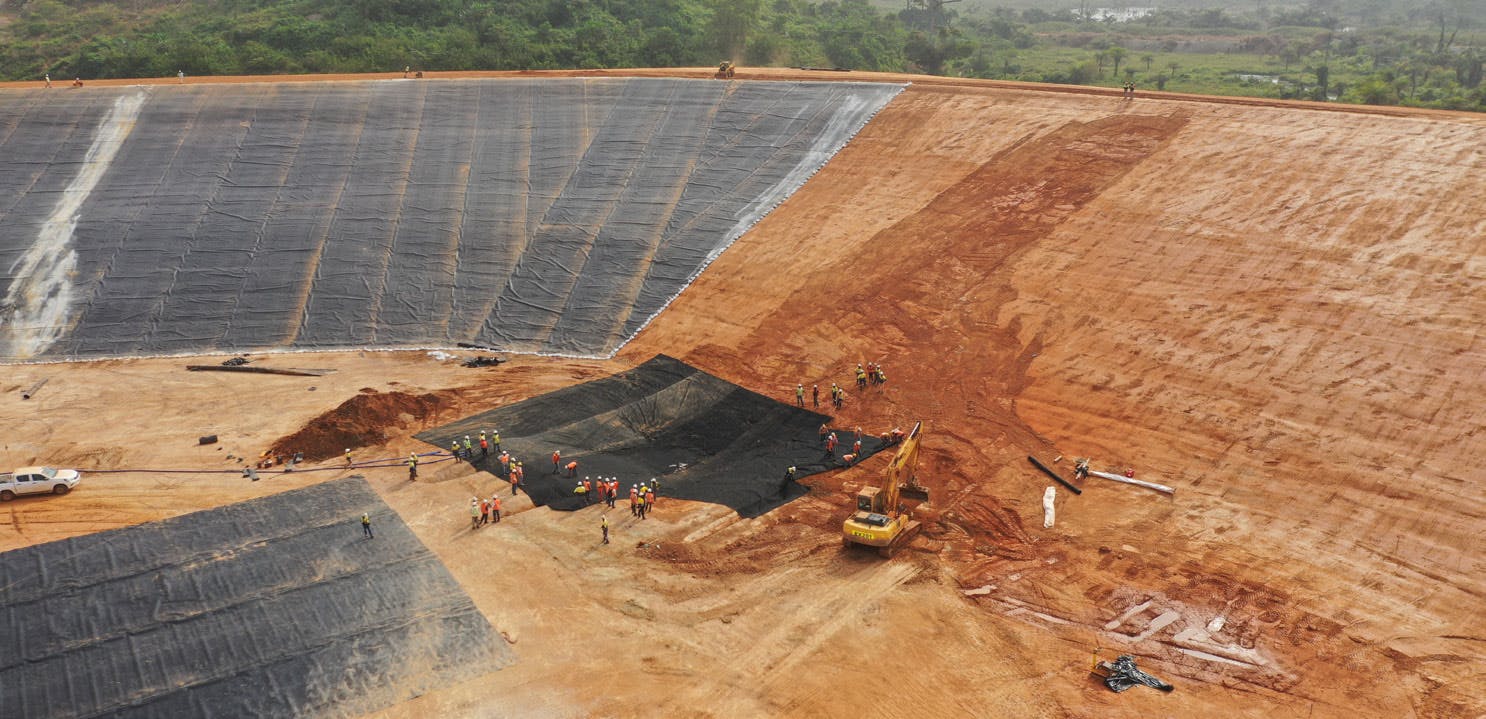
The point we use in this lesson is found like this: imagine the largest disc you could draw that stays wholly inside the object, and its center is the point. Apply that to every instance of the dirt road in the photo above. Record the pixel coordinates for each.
(1273, 309)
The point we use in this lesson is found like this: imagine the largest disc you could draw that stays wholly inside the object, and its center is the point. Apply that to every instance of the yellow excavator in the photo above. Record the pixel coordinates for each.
(880, 520)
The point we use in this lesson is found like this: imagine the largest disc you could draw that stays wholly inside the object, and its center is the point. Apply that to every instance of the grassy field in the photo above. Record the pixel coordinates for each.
(1207, 73)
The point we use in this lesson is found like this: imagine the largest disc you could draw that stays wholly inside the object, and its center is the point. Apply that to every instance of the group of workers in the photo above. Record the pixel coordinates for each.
(484, 511)
(606, 490)
(558, 466)
(466, 450)
(871, 373)
(829, 439)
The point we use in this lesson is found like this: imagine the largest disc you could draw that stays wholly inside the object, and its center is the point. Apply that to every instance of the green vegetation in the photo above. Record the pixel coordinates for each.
(1428, 53)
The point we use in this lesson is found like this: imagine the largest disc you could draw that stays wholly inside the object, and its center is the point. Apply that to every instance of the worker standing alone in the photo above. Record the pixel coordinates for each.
(815, 395)
(605, 524)
(800, 395)
(348, 457)
(556, 461)
(366, 525)
(412, 466)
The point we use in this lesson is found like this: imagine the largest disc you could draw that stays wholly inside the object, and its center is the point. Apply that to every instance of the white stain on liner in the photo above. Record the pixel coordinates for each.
(35, 310)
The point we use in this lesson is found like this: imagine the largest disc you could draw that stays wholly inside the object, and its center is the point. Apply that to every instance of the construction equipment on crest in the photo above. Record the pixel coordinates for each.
(879, 520)
(1121, 674)
(725, 70)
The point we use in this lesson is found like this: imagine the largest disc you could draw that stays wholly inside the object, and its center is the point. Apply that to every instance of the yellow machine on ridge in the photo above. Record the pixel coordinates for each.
(880, 520)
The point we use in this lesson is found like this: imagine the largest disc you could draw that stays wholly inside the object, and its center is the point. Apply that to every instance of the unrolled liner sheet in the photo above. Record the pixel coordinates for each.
(553, 216)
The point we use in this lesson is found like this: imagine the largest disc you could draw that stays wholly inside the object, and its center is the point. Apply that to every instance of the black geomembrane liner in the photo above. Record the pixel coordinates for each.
(271, 607)
(705, 438)
(552, 216)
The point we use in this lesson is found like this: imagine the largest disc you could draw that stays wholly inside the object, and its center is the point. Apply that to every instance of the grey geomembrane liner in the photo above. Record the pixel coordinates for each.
(550, 216)
(271, 607)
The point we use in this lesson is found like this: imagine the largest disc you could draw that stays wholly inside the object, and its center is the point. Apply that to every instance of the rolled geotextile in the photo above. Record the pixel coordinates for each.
(1136, 482)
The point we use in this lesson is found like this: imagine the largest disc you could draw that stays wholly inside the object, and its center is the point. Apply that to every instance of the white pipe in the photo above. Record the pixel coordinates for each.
(1136, 482)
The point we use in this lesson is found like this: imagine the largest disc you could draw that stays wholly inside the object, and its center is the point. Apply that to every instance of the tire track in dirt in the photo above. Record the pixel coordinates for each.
(962, 246)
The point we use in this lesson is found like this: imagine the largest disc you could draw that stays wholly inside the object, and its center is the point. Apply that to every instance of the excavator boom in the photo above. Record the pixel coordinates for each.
(901, 470)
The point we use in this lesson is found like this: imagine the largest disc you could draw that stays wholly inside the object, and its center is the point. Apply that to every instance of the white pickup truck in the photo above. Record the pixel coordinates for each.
(37, 480)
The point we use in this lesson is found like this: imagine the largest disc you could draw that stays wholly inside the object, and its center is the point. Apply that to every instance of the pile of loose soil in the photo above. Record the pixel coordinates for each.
(360, 421)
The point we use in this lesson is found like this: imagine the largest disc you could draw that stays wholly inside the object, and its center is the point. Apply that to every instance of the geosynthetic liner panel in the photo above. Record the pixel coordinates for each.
(271, 607)
(706, 439)
(553, 216)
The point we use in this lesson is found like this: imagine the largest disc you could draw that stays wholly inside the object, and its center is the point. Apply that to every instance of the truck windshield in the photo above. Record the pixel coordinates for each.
(49, 472)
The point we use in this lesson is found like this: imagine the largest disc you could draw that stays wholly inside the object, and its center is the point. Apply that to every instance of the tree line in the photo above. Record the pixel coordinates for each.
(1428, 54)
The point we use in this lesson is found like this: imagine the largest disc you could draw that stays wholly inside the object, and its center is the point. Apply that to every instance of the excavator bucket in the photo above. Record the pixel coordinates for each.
(915, 491)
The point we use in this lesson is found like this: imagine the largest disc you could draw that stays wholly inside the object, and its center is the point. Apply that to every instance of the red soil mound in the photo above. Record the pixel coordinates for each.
(360, 421)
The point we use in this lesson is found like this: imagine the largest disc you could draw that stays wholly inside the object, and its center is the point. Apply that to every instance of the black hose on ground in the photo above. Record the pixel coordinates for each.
(1054, 475)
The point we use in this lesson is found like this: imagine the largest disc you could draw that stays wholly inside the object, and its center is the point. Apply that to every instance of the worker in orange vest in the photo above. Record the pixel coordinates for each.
(573, 469)
(495, 507)
(634, 494)
(613, 491)
(556, 461)
(587, 488)
(505, 462)
(649, 498)
(484, 446)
